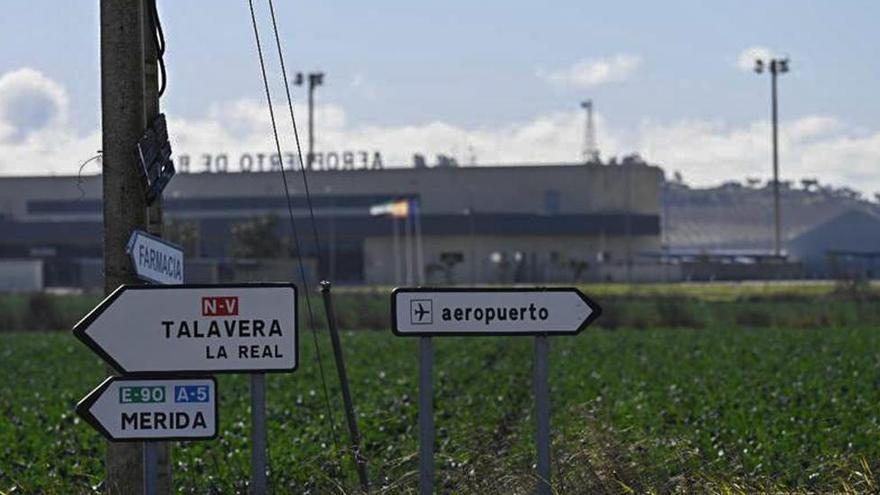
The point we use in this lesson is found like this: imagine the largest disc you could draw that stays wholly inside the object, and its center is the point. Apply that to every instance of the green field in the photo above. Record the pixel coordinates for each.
(681, 389)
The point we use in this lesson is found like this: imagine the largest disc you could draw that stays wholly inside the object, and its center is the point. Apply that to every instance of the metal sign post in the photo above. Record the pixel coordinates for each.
(426, 417)
(427, 312)
(151, 469)
(195, 328)
(259, 482)
(542, 413)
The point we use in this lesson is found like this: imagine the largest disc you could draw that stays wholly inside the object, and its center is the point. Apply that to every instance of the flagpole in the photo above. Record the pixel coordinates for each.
(395, 250)
(407, 239)
(420, 255)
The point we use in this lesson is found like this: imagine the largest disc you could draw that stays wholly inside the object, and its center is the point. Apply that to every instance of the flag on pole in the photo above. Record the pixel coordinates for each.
(395, 209)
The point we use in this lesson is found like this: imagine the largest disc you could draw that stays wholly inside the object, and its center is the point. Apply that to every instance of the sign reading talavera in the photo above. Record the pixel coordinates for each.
(195, 328)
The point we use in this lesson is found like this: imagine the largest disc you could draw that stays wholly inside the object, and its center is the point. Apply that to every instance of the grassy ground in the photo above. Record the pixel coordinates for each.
(715, 390)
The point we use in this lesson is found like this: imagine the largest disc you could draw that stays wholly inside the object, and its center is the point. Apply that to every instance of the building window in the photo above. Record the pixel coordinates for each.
(551, 202)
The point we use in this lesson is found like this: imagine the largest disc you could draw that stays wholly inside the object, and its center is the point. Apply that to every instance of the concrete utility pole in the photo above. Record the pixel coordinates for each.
(161, 450)
(122, 123)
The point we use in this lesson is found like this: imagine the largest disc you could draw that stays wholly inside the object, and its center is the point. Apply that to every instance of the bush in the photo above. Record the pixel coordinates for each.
(753, 317)
(10, 314)
(677, 313)
(42, 313)
(856, 289)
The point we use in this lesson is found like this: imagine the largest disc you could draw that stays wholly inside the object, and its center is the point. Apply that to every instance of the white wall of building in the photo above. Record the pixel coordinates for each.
(506, 259)
(21, 275)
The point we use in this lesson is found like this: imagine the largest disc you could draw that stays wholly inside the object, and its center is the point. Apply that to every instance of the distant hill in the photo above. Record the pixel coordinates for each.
(740, 216)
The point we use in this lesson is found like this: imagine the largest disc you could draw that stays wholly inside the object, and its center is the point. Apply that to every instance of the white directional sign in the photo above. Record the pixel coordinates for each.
(154, 259)
(195, 328)
(152, 409)
(502, 311)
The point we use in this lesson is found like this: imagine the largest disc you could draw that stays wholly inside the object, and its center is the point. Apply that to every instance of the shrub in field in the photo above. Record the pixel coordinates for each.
(857, 289)
(362, 310)
(646, 312)
(675, 312)
(42, 313)
(752, 316)
(10, 314)
(611, 314)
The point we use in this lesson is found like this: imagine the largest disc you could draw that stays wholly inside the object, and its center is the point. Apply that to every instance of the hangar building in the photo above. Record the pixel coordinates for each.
(478, 224)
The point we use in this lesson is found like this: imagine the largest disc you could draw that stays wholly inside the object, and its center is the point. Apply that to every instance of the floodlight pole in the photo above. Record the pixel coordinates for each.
(315, 79)
(775, 66)
(777, 247)
(310, 156)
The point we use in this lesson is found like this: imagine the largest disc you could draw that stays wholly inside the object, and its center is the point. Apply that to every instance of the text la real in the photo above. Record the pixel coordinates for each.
(229, 328)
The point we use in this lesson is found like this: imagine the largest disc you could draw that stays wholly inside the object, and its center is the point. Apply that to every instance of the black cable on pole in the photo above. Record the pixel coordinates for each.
(296, 134)
(159, 41)
(293, 229)
(325, 285)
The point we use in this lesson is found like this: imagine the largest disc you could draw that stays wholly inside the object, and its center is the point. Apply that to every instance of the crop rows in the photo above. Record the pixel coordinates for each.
(663, 409)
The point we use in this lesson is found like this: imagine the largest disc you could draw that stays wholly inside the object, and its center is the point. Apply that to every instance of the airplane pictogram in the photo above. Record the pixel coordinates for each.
(421, 312)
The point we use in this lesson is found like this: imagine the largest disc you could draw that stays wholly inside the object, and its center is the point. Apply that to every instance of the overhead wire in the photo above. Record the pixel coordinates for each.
(293, 228)
(159, 40)
(302, 165)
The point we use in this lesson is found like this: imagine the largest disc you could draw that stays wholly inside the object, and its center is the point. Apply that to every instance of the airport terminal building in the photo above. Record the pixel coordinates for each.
(477, 224)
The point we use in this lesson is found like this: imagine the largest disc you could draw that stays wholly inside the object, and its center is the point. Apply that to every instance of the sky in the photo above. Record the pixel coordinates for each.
(487, 82)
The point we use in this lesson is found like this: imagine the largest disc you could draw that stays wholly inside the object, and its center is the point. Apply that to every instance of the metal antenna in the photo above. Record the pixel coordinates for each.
(590, 152)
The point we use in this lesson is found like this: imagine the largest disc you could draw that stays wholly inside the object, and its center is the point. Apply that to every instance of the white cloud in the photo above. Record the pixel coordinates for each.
(29, 103)
(813, 126)
(812, 146)
(746, 58)
(35, 132)
(589, 73)
(363, 87)
(706, 152)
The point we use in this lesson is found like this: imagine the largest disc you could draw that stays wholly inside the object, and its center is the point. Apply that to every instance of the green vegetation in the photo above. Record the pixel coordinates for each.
(695, 305)
(678, 391)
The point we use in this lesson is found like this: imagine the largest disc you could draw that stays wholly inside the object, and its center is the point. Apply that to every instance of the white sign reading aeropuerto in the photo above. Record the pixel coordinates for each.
(155, 260)
(500, 311)
(195, 328)
(152, 409)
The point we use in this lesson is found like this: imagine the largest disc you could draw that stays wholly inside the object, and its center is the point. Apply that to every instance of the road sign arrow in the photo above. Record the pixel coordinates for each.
(154, 259)
(491, 311)
(133, 409)
(195, 328)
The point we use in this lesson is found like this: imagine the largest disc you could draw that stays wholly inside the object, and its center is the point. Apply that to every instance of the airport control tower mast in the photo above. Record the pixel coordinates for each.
(590, 153)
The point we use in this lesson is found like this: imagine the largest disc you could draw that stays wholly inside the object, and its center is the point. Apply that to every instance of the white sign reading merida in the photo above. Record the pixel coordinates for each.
(154, 259)
(500, 311)
(152, 409)
(195, 328)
